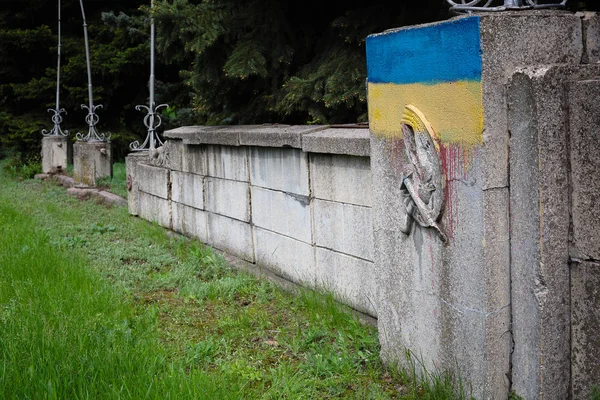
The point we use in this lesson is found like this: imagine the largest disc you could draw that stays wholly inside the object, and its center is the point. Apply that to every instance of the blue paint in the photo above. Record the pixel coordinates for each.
(444, 52)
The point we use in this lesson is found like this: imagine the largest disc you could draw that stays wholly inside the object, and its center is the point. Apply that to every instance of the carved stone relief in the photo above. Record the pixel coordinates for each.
(423, 177)
(160, 156)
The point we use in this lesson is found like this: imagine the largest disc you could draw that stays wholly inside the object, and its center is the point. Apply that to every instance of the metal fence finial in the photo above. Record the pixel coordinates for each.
(467, 6)
(92, 118)
(152, 119)
(56, 117)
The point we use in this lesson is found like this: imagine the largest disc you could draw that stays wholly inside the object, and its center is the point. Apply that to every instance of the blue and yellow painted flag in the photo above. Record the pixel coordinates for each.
(435, 68)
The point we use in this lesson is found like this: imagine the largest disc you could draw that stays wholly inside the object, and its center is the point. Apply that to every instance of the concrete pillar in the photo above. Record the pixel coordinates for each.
(554, 123)
(57, 153)
(91, 161)
(584, 246)
(442, 197)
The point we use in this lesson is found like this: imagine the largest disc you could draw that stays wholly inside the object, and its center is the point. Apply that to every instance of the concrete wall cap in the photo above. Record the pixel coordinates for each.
(341, 139)
(350, 141)
(267, 135)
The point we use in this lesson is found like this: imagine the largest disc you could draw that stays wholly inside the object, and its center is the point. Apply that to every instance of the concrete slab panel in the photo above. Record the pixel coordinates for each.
(283, 213)
(153, 180)
(228, 198)
(343, 179)
(190, 221)
(187, 189)
(155, 209)
(227, 162)
(344, 228)
(279, 169)
(350, 278)
(175, 151)
(287, 257)
(231, 235)
(194, 159)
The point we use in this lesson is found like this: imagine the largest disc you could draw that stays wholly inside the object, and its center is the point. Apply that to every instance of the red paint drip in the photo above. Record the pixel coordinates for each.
(456, 163)
(449, 155)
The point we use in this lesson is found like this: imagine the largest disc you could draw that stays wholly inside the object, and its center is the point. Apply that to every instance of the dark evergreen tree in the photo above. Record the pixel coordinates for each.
(279, 61)
(219, 61)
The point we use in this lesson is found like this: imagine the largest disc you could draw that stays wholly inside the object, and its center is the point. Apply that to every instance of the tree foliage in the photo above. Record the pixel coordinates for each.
(218, 61)
(28, 45)
(278, 61)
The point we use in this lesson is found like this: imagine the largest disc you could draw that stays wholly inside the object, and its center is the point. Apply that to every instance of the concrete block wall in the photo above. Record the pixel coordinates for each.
(493, 116)
(295, 200)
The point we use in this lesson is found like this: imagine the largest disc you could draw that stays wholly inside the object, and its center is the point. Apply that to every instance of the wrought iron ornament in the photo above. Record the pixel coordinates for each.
(152, 119)
(56, 118)
(423, 181)
(463, 6)
(92, 118)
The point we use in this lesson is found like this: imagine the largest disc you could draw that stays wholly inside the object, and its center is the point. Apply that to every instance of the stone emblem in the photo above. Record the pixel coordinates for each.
(422, 178)
(160, 157)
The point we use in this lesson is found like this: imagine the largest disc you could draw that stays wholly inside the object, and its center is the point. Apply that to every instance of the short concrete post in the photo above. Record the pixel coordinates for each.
(91, 161)
(57, 153)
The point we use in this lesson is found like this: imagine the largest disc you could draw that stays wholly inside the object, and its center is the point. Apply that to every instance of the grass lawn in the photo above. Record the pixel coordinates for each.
(116, 184)
(97, 304)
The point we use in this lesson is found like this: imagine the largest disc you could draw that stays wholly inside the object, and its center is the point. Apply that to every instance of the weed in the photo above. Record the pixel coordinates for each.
(101, 228)
(514, 396)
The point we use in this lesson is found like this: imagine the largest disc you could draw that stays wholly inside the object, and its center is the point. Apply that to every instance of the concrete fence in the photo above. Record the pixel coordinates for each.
(293, 199)
(466, 221)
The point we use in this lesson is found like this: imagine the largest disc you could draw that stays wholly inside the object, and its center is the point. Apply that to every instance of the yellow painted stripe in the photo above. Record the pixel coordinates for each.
(454, 109)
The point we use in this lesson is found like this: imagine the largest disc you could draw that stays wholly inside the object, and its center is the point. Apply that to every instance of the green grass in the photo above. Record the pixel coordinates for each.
(116, 184)
(21, 167)
(595, 395)
(67, 333)
(95, 303)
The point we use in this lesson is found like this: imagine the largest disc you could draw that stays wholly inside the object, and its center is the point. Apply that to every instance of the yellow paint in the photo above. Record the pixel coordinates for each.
(415, 119)
(454, 109)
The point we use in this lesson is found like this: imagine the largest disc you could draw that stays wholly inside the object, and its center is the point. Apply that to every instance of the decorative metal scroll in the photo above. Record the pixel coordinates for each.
(56, 117)
(502, 5)
(423, 178)
(152, 119)
(92, 118)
